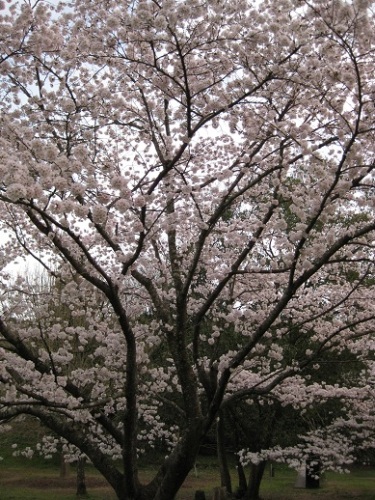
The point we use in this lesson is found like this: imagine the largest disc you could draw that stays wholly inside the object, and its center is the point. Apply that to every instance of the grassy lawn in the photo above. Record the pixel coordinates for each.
(26, 480)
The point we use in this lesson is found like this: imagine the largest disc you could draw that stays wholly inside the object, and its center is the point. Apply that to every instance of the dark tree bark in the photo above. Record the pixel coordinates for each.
(242, 482)
(178, 465)
(221, 454)
(255, 480)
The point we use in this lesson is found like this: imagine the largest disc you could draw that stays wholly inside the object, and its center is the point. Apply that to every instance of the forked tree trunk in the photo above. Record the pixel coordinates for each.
(172, 473)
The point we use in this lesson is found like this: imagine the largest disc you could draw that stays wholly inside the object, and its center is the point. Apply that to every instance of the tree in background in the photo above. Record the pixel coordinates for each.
(154, 153)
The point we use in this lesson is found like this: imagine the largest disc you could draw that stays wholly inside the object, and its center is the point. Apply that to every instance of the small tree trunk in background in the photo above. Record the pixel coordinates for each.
(64, 466)
(219, 494)
(81, 478)
(221, 453)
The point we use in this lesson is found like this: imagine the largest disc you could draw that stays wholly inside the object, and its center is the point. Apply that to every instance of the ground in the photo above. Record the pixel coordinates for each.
(34, 482)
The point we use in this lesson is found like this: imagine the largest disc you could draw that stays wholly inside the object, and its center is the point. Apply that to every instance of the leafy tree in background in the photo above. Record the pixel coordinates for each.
(154, 152)
(285, 429)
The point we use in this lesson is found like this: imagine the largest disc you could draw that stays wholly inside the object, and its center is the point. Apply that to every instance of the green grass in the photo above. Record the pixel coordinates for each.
(27, 480)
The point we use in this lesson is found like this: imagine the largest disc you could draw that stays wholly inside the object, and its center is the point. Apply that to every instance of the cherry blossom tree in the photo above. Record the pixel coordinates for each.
(201, 176)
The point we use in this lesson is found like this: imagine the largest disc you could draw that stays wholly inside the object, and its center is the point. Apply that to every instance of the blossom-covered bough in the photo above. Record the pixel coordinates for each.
(198, 179)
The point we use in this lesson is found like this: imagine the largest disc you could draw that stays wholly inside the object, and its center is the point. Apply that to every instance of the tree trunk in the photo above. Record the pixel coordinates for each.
(242, 483)
(220, 494)
(64, 466)
(221, 454)
(177, 466)
(81, 477)
(255, 479)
